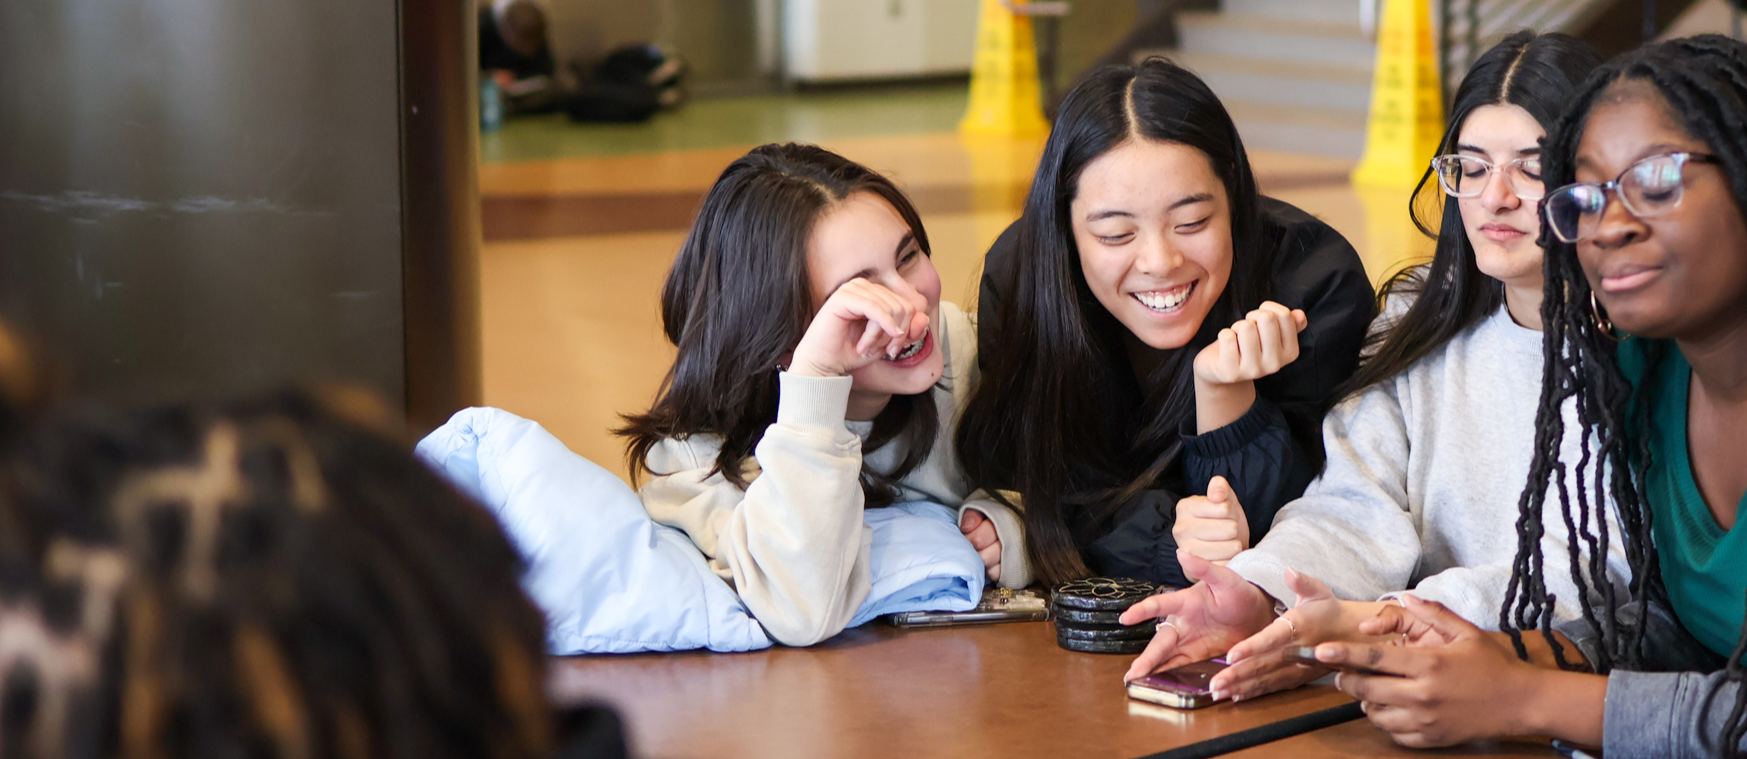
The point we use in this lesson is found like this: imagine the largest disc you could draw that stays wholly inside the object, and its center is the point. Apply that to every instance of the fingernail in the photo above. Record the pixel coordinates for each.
(1219, 695)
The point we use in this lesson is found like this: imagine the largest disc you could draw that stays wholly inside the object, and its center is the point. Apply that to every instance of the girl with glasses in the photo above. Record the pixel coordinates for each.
(1428, 452)
(1646, 316)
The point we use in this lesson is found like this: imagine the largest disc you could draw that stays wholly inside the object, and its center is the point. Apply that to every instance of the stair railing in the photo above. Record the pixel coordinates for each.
(1466, 28)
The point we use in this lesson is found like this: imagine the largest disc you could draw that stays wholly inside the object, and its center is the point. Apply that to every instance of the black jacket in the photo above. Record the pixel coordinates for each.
(1272, 452)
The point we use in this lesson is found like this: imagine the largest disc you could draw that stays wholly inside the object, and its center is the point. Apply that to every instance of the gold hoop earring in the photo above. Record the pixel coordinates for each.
(1603, 324)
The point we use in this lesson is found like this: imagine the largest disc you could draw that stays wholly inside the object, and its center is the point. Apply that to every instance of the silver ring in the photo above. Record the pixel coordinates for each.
(1289, 625)
(1164, 623)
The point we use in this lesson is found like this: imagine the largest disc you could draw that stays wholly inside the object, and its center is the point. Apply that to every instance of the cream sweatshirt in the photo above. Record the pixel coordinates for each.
(1422, 483)
(793, 543)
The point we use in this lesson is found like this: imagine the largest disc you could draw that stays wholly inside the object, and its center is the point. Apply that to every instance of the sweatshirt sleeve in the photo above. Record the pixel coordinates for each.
(793, 542)
(1667, 714)
(1258, 455)
(1353, 528)
(1477, 592)
(1010, 530)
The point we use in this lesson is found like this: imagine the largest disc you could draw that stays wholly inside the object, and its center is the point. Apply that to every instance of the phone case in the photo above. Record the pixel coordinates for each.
(1158, 689)
(998, 605)
(1176, 699)
(1306, 655)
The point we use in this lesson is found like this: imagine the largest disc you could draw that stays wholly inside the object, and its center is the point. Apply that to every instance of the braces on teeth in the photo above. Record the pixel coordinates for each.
(909, 350)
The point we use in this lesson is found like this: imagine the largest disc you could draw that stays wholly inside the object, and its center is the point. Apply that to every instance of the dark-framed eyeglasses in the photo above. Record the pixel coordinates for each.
(1651, 187)
(1465, 176)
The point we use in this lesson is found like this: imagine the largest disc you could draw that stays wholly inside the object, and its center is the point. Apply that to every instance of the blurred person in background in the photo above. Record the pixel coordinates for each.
(632, 83)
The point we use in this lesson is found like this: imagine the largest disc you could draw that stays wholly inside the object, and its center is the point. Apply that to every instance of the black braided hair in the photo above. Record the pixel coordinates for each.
(260, 579)
(1703, 81)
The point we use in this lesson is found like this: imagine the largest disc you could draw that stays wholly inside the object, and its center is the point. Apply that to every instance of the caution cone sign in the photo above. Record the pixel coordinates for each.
(1006, 99)
(1407, 103)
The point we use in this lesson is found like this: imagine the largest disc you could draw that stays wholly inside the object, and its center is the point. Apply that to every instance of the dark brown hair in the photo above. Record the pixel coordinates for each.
(739, 298)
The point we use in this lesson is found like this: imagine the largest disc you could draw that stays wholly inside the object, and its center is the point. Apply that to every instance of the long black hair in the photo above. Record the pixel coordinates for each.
(1537, 73)
(1703, 80)
(1041, 420)
(264, 578)
(739, 298)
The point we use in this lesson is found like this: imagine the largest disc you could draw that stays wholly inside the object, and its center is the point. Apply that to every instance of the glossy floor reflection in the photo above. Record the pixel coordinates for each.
(577, 249)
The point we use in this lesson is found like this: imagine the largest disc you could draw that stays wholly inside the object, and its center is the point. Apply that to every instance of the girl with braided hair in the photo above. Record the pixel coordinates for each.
(1646, 316)
(263, 579)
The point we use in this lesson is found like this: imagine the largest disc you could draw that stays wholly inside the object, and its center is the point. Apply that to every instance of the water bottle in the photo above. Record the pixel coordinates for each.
(490, 105)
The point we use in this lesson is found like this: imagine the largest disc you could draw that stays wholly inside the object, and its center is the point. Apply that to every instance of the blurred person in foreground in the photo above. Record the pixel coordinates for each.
(267, 578)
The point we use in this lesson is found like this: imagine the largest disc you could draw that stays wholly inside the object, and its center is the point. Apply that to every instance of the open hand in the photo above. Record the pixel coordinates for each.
(981, 533)
(1214, 526)
(1220, 609)
(1258, 666)
(859, 322)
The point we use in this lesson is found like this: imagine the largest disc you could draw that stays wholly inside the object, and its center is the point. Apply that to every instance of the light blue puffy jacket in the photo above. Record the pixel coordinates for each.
(612, 581)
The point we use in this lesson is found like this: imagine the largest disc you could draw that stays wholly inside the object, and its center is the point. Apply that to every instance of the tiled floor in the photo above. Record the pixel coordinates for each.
(579, 241)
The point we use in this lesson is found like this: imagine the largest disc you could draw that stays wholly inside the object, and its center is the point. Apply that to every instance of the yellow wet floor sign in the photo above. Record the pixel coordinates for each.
(1006, 98)
(1407, 101)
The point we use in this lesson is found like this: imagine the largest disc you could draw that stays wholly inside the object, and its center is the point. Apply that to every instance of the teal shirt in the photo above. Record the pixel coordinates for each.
(1703, 566)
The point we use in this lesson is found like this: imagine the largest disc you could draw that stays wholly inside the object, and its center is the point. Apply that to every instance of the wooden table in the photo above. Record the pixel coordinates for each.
(879, 691)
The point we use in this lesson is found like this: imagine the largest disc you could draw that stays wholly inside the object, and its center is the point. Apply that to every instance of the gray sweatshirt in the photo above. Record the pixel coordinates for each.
(1421, 487)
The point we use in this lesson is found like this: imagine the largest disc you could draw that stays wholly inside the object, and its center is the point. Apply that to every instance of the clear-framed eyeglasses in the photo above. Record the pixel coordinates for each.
(1651, 187)
(1466, 176)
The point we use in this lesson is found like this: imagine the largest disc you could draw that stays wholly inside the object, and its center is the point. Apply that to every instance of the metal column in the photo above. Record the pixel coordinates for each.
(203, 197)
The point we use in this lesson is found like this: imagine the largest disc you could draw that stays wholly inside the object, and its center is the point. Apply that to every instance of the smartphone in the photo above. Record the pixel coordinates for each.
(998, 605)
(1307, 655)
(1184, 687)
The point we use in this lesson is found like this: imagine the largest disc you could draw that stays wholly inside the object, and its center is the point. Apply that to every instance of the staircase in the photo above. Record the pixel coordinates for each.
(1499, 18)
(1296, 74)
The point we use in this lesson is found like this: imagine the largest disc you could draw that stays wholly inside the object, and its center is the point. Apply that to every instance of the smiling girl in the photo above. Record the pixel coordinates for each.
(1152, 328)
(818, 373)
(1646, 316)
(1428, 453)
